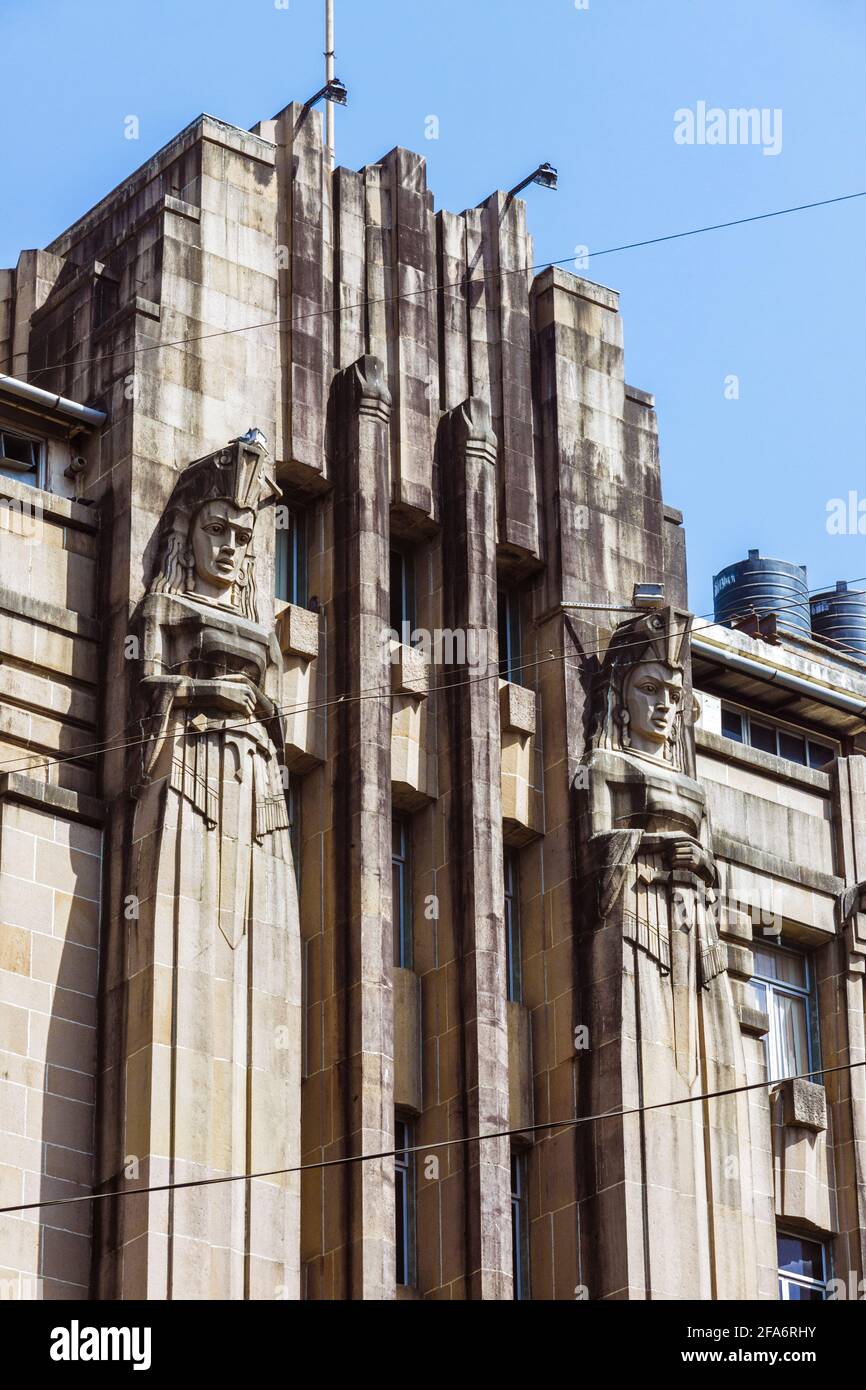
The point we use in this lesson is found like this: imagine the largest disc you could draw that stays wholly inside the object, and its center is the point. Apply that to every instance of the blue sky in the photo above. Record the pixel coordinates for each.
(780, 304)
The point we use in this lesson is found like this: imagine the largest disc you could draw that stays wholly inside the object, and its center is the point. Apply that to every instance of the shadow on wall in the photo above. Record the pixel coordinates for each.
(71, 866)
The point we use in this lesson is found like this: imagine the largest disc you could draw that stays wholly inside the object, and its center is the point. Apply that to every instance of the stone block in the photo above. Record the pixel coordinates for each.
(298, 632)
(409, 670)
(804, 1103)
(516, 708)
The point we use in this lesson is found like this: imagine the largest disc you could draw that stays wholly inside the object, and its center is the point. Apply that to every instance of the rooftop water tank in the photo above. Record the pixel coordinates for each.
(761, 585)
(839, 619)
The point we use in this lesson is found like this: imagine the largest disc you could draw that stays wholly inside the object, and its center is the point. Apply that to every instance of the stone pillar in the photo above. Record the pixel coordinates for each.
(361, 790)
(841, 1007)
(467, 468)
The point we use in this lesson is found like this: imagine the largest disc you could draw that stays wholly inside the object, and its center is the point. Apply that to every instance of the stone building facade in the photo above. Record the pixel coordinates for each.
(353, 794)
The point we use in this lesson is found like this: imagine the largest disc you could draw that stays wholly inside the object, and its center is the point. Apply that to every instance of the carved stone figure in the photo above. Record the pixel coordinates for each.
(649, 846)
(212, 867)
(656, 996)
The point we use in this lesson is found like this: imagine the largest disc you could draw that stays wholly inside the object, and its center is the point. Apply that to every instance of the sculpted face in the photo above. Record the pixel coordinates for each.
(653, 698)
(220, 536)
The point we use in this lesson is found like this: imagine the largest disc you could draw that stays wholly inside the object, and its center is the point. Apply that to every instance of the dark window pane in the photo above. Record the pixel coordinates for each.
(19, 458)
(820, 755)
(512, 927)
(402, 594)
(401, 892)
(519, 1226)
(792, 747)
(732, 725)
(508, 615)
(803, 1257)
(400, 1233)
(762, 736)
(295, 822)
(290, 578)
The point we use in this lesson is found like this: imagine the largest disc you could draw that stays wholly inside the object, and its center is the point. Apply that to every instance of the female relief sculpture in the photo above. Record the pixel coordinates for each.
(212, 866)
(648, 840)
(655, 993)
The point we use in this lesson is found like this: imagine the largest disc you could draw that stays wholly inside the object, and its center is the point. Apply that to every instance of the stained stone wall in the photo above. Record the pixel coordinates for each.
(418, 386)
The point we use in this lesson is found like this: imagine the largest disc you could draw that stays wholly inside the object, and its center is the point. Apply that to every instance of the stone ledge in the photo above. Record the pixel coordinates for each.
(516, 708)
(182, 208)
(726, 847)
(754, 1022)
(47, 796)
(56, 510)
(646, 398)
(137, 305)
(804, 1103)
(554, 277)
(50, 615)
(298, 632)
(779, 768)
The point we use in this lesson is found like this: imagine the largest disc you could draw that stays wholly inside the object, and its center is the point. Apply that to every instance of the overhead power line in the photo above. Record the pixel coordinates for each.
(138, 349)
(570, 1123)
(377, 693)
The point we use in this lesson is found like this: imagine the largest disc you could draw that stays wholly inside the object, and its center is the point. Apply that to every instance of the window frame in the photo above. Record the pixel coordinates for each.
(407, 608)
(293, 567)
(295, 788)
(510, 628)
(405, 1202)
(401, 909)
(802, 1281)
(27, 477)
(746, 716)
(519, 1186)
(807, 993)
(513, 939)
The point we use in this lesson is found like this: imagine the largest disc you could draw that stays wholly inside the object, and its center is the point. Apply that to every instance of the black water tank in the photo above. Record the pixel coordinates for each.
(764, 586)
(839, 619)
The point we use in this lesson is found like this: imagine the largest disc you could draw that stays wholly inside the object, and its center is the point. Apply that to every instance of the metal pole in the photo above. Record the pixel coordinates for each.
(329, 73)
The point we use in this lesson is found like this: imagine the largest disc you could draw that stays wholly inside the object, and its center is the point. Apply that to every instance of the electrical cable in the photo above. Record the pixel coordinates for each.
(376, 693)
(453, 285)
(570, 1123)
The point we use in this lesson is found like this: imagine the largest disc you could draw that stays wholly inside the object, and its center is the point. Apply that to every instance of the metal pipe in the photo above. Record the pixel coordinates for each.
(84, 414)
(750, 666)
(329, 74)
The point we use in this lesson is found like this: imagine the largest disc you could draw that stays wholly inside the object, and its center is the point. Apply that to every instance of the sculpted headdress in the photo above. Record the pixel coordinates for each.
(235, 474)
(660, 636)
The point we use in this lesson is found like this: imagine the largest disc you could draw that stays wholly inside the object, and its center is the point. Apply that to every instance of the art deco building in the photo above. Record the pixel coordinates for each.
(353, 798)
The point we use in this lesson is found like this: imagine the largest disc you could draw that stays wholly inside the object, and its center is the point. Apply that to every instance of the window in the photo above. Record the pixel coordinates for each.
(401, 890)
(404, 1200)
(783, 984)
(20, 457)
(514, 981)
(520, 1225)
(294, 800)
(782, 743)
(802, 1268)
(291, 555)
(402, 594)
(508, 614)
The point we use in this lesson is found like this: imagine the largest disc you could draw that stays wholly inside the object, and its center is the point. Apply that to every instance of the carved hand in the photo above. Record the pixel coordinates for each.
(236, 694)
(686, 853)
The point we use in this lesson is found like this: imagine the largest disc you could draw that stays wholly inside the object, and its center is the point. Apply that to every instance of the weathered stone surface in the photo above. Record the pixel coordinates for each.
(298, 632)
(804, 1103)
(516, 708)
(415, 388)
